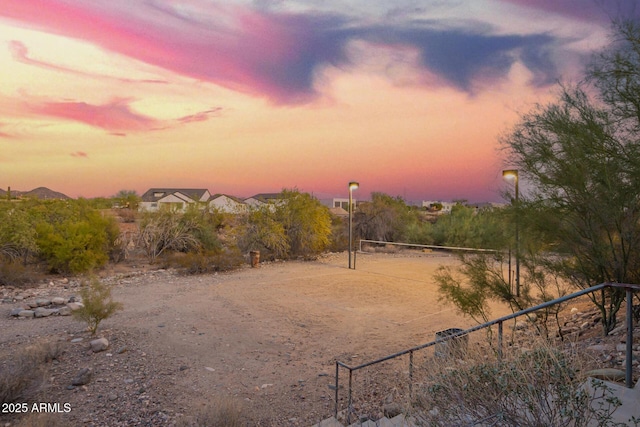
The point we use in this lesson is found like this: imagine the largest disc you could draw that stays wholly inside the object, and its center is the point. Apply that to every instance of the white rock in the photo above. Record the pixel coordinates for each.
(58, 301)
(100, 344)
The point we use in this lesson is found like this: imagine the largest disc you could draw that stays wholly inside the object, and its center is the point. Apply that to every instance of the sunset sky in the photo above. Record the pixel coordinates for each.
(408, 97)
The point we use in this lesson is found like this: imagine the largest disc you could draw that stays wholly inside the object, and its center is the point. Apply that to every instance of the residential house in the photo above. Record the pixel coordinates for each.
(226, 203)
(438, 206)
(173, 198)
(263, 199)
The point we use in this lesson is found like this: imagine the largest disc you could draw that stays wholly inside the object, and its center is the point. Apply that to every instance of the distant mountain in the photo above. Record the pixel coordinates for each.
(36, 193)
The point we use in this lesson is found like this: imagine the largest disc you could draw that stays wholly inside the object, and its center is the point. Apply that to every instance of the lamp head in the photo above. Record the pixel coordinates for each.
(510, 174)
(353, 185)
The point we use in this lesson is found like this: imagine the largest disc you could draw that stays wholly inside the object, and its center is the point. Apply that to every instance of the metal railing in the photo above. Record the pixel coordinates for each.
(630, 288)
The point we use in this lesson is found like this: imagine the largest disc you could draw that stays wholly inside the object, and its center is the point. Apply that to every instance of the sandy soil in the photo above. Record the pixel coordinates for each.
(266, 336)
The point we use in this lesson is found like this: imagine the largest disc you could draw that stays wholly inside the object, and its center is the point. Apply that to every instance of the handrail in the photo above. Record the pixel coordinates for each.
(630, 288)
(416, 245)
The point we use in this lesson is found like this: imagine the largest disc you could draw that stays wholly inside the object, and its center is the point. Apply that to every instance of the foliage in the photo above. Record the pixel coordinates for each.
(468, 227)
(17, 233)
(127, 199)
(209, 261)
(22, 375)
(166, 230)
(75, 238)
(14, 273)
(305, 221)
(385, 218)
(297, 225)
(483, 278)
(538, 387)
(581, 158)
(98, 304)
(259, 230)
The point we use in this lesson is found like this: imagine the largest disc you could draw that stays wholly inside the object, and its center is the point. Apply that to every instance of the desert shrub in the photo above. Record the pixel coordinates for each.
(22, 375)
(127, 215)
(15, 273)
(42, 420)
(219, 412)
(97, 304)
(533, 388)
(209, 261)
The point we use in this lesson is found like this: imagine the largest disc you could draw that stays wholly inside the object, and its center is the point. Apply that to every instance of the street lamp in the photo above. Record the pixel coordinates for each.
(513, 174)
(352, 186)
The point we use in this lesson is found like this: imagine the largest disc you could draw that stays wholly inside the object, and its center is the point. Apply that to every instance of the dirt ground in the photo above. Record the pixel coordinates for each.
(267, 337)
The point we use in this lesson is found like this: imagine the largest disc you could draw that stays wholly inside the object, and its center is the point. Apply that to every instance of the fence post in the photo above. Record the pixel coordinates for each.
(629, 366)
(500, 340)
(411, 374)
(336, 406)
(349, 405)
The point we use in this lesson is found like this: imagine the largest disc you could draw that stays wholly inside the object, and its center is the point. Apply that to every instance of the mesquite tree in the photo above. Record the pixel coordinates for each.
(580, 158)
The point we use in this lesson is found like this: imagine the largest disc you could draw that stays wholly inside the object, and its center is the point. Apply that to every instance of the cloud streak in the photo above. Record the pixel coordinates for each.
(276, 55)
(20, 53)
(599, 11)
(116, 116)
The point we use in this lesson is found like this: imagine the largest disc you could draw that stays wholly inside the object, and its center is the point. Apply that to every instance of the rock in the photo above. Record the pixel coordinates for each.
(597, 347)
(43, 312)
(26, 313)
(392, 410)
(98, 345)
(58, 301)
(41, 302)
(83, 377)
(73, 306)
(621, 348)
(16, 311)
(64, 311)
(608, 374)
(75, 340)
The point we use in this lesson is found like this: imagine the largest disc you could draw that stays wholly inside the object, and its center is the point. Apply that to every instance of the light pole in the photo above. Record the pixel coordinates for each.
(513, 174)
(352, 186)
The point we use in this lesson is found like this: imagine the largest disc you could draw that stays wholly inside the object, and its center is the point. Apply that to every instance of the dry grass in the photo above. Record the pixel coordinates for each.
(22, 375)
(41, 420)
(220, 411)
(533, 386)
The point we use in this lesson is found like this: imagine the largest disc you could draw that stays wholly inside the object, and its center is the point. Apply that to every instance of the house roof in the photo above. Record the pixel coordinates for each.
(234, 198)
(266, 197)
(155, 194)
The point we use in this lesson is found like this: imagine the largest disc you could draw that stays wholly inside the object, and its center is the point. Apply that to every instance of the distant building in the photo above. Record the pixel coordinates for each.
(263, 199)
(437, 206)
(173, 198)
(226, 203)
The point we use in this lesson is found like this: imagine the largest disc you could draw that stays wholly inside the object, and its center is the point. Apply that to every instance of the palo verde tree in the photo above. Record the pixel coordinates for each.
(580, 156)
(305, 221)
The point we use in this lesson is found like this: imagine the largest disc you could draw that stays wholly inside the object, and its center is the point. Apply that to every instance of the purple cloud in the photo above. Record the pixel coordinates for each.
(274, 54)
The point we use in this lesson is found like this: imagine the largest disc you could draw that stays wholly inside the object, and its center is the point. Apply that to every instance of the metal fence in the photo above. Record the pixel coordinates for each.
(629, 288)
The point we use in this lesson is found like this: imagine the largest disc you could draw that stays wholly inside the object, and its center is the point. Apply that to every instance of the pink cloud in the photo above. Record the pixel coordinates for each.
(81, 154)
(115, 116)
(235, 47)
(200, 116)
(4, 134)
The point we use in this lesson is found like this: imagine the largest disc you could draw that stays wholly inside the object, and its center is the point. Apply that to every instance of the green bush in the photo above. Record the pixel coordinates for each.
(97, 304)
